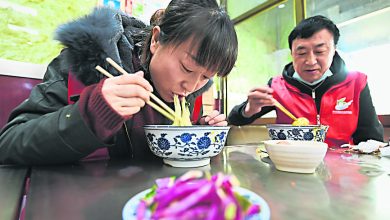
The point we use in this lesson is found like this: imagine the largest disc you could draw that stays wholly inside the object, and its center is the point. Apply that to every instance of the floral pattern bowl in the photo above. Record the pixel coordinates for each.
(186, 146)
(297, 133)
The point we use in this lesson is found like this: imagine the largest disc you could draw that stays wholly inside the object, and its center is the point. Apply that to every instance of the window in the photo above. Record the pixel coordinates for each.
(236, 8)
(262, 53)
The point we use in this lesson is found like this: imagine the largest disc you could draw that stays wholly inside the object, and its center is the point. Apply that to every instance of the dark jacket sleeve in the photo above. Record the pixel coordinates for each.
(368, 127)
(236, 116)
(44, 129)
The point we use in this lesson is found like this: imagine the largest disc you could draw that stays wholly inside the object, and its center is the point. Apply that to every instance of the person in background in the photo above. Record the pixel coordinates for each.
(76, 112)
(317, 86)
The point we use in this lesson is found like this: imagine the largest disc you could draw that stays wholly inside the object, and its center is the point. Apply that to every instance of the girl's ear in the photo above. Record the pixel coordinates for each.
(154, 40)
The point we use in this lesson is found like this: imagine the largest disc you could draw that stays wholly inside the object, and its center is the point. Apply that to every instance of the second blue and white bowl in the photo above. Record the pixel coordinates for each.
(297, 133)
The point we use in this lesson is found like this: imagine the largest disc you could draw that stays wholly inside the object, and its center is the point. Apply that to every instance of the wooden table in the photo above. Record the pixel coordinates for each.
(345, 186)
(12, 181)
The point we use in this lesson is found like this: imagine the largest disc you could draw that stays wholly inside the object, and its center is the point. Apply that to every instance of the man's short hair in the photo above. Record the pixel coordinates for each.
(309, 26)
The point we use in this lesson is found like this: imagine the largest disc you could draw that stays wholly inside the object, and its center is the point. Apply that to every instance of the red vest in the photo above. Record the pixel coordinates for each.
(339, 106)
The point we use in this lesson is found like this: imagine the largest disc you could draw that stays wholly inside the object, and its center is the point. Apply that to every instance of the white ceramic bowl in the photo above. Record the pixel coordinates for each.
(303, 133)
(296, 156)
(186, 146)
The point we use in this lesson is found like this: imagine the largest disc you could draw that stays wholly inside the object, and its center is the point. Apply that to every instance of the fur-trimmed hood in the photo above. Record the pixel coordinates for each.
(103, 33)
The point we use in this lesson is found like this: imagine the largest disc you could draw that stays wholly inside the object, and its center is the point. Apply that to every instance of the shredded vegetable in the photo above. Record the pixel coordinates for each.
(182, 113)
(194, 197)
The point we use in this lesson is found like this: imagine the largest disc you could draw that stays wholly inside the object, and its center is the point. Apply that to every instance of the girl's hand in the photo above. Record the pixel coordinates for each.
(127, 94)
(214, 119)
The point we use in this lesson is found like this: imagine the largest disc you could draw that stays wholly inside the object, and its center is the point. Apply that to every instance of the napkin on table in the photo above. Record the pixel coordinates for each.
(370, 146)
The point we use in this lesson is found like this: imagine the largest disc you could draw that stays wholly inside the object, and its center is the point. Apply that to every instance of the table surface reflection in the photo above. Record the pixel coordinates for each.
(12, 179)
(344, 186)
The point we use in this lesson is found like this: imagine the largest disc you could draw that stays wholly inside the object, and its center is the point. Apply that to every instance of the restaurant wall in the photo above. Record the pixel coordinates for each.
(27, 27)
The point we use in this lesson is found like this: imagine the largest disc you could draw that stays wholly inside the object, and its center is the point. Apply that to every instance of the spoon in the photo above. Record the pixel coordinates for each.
(302, 121)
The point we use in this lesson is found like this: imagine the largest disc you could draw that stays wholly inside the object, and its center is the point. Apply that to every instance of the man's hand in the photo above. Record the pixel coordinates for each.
(257, 98)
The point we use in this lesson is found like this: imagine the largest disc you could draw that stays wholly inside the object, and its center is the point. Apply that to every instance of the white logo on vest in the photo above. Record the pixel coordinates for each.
(341, 105)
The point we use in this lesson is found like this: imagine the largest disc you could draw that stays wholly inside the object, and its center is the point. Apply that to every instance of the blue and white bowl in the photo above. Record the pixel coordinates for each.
(186, 146)
(297, 133)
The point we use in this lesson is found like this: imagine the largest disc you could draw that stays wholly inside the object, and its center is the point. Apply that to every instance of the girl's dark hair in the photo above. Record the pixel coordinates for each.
(156, 17)
(208, 27)
(309, 26)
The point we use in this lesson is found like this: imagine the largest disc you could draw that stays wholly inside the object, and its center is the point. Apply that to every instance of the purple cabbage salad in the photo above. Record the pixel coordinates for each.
(193, 196)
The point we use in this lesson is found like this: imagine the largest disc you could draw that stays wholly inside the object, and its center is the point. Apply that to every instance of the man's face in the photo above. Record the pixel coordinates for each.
(174, 70)
(313, 56)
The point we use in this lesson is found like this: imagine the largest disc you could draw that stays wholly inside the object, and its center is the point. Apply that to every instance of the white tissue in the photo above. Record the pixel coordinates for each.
(385, 151)
(368, 146)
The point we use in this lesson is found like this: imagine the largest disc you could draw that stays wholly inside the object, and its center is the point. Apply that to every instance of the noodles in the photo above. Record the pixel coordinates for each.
(182, 113)
(185, 113)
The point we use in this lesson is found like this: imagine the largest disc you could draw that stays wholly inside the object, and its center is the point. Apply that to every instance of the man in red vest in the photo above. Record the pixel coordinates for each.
(317, 86)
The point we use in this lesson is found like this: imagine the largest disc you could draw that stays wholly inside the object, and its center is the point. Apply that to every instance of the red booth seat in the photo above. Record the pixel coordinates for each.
(16, 81)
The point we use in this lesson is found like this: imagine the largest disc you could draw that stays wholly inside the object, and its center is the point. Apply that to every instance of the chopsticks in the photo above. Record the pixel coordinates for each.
(155, 98)
(104, 72)
(164, 109)
(283, 109)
